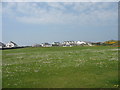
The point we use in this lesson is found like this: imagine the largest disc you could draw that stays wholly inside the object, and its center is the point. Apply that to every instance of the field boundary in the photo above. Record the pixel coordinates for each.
(11, 48)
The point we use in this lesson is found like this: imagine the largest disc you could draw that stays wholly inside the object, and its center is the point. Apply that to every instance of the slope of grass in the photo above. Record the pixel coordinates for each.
(0, 69)
(61, 67)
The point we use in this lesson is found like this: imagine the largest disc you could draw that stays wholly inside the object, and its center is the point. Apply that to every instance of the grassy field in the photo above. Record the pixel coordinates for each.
(0, 69)
(61, 67)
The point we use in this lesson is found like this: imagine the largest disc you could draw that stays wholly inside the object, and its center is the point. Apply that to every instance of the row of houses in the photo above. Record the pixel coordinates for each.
(64, 44)
(8, 45)
(11, 44)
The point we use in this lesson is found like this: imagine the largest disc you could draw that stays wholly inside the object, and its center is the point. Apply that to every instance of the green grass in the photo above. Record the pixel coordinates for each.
(0, 69)
(61, 67)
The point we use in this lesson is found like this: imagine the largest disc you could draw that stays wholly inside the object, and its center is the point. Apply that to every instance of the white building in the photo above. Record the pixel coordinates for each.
(68, 43)
(56, 44)
(46, 45)
(89, 44)
(2, 45)
(11, 44)
(36, 45)
(81, 43)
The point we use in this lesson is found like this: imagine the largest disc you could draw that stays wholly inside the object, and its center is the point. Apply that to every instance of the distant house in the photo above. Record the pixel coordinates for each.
(75, 43)
(68, 43)
(56, 44)
(11, 44)
(89, 44)
(97, 43)
(36, 45)
(81, 43)
(46, 45)
(2, 45)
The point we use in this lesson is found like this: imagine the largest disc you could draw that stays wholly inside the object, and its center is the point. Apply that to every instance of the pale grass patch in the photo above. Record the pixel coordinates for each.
(113, 59)
(15, 54)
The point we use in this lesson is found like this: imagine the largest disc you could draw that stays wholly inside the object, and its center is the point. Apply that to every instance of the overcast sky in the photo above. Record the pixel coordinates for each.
(29, 23)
